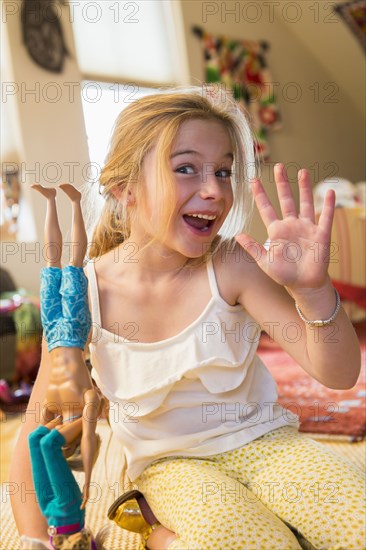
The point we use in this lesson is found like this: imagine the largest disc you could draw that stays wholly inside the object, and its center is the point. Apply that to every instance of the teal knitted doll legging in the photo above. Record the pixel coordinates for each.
(58, 493)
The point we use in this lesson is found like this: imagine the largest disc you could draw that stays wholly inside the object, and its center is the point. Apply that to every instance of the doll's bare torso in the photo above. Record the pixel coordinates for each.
(69, 379)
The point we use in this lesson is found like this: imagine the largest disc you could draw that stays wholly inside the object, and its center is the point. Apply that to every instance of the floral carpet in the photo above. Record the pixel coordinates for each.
(335, 414)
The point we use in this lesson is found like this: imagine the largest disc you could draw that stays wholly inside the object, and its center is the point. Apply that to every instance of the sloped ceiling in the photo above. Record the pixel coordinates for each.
(330, 41)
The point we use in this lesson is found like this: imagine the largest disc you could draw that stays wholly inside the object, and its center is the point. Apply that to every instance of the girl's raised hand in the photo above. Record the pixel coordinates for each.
(298, 254)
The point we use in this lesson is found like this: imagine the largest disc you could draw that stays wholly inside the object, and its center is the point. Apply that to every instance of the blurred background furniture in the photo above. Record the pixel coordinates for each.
(7, 331)
(20, 343)
(347, 266)
(347, 262)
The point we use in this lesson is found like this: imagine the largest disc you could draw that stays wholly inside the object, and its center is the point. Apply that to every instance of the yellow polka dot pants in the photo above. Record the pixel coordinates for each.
(243, 499)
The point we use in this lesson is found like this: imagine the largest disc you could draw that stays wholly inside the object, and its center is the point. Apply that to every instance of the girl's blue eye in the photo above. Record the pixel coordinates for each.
(224, 173)
(189, 170)
(185, 170)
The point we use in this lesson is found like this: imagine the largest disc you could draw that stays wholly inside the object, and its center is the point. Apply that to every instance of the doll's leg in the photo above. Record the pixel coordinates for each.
(65, 507)
(40, 475)
(51, 305)
(42, 483)
(74, 287)
(79, 237)
(52, 234)
(71, 430)
(75, 307)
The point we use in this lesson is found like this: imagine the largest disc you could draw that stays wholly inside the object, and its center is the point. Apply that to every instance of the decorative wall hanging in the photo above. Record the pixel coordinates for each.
(354, 15)
(42, 33)
(241, 67)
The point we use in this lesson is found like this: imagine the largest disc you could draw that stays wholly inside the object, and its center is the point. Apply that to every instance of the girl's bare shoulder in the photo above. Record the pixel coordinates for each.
(236, 273)
(108, 265)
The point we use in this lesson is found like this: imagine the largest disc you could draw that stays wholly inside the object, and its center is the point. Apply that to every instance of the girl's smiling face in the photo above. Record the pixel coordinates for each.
(201, 161)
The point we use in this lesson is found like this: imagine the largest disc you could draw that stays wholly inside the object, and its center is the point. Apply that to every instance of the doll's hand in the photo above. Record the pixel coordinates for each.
(298, 254)
(85, 495)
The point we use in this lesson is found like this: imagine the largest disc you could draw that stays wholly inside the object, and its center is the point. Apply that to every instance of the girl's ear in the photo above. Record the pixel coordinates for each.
(130, 201)
(120, 194)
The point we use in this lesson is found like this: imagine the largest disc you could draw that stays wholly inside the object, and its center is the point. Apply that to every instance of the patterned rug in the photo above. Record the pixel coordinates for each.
(334, 414)
(106, 487)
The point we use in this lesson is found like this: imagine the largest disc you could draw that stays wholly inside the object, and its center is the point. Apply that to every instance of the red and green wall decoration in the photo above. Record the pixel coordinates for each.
(240, 66)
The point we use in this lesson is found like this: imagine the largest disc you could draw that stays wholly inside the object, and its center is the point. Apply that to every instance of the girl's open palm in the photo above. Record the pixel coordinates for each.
(298, 254)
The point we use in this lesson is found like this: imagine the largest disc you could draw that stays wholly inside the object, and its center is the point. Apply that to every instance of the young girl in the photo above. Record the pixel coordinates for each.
(71, 405)
(178, 305)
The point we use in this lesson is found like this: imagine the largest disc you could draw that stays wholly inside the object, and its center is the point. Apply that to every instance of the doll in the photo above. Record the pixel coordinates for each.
(72, 403)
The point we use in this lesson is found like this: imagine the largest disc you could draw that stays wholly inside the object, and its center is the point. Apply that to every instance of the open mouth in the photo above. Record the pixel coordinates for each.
(199, 222)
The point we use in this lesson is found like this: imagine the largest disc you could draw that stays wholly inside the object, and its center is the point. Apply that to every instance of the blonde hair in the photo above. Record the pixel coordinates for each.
(154, 121)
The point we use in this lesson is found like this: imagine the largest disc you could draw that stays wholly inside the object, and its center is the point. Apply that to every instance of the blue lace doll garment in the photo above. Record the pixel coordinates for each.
(65, 311)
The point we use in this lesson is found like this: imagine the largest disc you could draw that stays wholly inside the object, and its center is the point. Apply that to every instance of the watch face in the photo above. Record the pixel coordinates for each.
(42, 35)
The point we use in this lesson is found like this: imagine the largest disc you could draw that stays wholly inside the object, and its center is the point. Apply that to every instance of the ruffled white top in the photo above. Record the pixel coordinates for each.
(199, 393)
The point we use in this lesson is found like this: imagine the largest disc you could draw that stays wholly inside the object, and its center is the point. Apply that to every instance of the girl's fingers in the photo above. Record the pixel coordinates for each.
(255, 250)
(306, 196)
(285, 196)
(327, 214)
(264, 205)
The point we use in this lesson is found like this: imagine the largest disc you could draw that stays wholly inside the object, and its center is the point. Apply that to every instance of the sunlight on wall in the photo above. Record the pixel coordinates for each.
(102, 103)
(16, 216)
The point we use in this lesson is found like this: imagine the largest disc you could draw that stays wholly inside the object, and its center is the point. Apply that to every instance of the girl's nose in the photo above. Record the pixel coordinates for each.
(210, 186)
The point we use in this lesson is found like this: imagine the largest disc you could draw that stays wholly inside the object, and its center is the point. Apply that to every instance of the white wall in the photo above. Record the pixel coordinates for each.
(51, 145)
(326, 137)
(316, 133)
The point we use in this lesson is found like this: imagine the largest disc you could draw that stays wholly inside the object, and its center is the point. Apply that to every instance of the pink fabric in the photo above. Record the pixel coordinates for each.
(65, 529)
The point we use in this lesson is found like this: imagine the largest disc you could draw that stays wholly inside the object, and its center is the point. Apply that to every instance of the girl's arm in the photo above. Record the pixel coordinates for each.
(27, 514)
(28, 517)
(295, 268)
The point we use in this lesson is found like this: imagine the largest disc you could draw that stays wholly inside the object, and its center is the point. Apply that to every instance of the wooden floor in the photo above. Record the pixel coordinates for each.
(107, 486)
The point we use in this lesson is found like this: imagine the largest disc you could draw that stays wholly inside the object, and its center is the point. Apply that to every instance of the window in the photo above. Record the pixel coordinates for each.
(128, 40)
(125, 49)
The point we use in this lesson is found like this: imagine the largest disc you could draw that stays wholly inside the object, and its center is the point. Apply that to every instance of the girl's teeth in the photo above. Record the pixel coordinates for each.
(204, 216)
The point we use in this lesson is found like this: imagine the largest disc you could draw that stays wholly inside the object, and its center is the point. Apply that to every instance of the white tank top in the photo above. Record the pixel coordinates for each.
(199, 393)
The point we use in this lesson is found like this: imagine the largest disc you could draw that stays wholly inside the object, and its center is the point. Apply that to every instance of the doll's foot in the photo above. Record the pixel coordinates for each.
(70, 191)
(48, 192)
